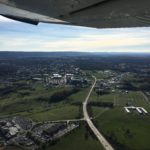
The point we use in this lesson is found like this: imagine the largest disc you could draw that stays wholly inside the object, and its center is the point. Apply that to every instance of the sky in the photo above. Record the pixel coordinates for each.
(16, 36)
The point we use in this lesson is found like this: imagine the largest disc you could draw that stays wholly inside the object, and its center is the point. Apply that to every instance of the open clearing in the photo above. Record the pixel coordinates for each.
(126, 131)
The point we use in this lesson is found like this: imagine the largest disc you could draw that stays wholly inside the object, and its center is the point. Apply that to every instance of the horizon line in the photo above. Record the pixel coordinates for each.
(75, 52)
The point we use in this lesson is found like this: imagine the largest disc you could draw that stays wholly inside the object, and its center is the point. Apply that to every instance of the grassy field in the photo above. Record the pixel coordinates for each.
(80, 96)
(135, 98)
(77, 140)
(127, 131)
(25, 101)
(34, 104)
(124, 131)
(104, 98)
(130, 130)
(98, 111)
(12, 148)
(121, 98)
(58, 112)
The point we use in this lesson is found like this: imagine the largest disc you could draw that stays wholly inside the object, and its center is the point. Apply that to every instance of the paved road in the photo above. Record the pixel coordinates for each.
(69, 120)
(100, 137)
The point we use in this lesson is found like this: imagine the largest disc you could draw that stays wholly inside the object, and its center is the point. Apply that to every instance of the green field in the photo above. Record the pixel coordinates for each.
(12, 148)
(104, 98)
(58, 112)
(77, 140)
(125, 131)
(34, 103)
(80, 96)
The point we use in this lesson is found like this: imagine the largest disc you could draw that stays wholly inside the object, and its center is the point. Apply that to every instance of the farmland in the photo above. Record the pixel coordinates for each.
(119, 126)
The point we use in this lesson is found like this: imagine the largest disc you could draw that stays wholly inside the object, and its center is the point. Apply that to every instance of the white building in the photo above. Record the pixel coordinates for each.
(140, 110)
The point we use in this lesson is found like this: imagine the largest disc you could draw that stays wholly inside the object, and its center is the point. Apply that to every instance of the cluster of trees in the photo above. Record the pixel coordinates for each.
(62, 95)
(127, 85)
(24, 93)
(88, 132)
(6, 90)
(10, 89)
(143, 85)
(102, 104)
(101, 92)
(7, 69)
(115, 141)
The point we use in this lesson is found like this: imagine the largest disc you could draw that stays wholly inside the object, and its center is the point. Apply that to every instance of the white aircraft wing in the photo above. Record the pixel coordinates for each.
(90, 13)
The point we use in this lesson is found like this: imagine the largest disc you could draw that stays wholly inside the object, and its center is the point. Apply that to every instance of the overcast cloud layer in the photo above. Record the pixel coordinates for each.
(16, 36)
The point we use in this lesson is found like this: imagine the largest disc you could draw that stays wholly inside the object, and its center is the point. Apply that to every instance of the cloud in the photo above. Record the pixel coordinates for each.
(46, 37)
(95, 43)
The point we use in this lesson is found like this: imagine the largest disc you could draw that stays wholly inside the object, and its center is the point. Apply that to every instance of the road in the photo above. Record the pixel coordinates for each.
(69, 120)
(99, 136)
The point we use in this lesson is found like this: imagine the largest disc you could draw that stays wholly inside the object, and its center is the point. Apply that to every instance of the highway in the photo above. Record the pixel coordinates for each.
(99, 136)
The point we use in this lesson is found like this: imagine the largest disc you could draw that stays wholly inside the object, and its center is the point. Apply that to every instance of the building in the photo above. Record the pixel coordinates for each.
(140, 110)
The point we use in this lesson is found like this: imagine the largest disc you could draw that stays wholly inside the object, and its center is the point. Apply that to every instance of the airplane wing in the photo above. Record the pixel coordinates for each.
(89, 13)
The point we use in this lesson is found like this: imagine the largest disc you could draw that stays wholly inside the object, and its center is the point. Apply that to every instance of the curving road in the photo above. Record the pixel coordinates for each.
(99, 136)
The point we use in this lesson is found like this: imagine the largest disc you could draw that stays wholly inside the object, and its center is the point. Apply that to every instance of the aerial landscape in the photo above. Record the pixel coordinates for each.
(43, 101)
(74, 75)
